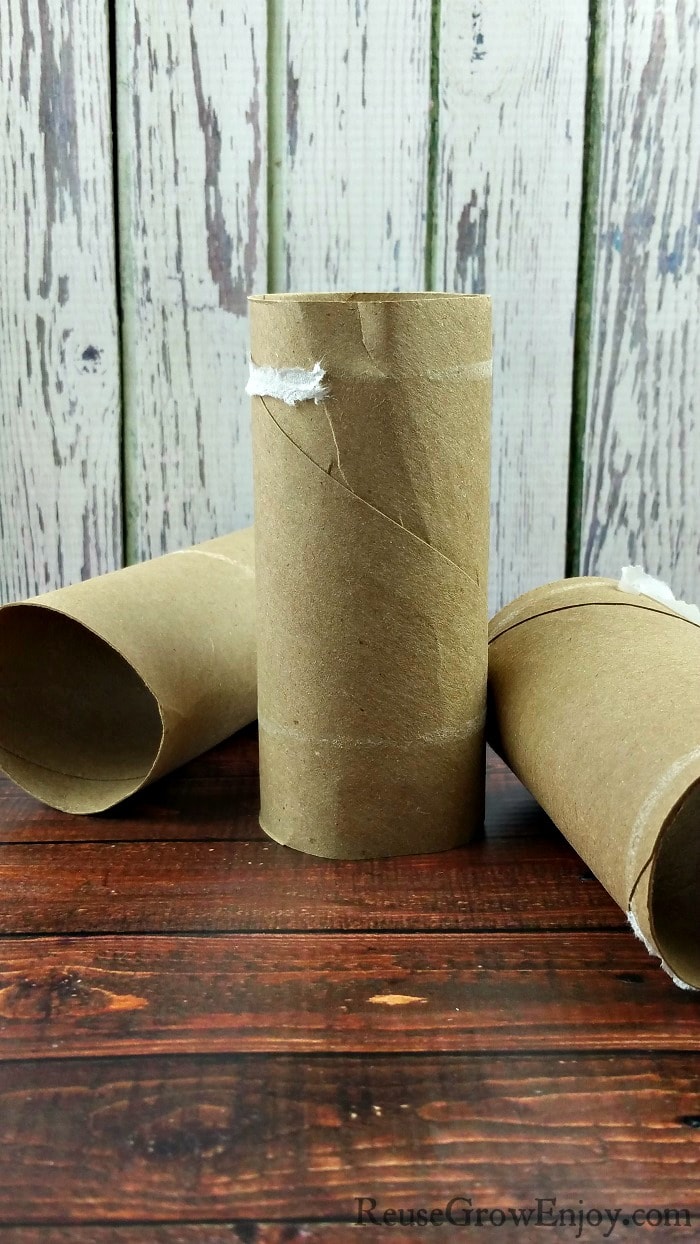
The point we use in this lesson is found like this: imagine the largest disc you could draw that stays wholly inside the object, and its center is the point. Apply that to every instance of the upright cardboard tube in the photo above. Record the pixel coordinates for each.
(595, 704)
(110, 683)
(372, 526)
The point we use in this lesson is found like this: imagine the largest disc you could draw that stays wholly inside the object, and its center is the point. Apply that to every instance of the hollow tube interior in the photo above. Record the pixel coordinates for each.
(78, 726)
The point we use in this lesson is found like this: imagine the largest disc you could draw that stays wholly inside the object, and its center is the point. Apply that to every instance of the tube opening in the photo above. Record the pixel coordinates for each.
(79, 728)
(673, 890)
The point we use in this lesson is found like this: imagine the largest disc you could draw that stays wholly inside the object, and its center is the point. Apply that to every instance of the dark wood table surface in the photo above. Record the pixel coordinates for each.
(206, 1037)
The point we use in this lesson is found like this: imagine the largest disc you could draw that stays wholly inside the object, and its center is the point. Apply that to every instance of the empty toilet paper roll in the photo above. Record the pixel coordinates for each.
(371, 450)
(594, 702)
(111, 683)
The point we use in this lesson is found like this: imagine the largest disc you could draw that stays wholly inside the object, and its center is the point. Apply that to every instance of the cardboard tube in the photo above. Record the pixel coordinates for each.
(372, 527)
(595, 704)
(110, 683)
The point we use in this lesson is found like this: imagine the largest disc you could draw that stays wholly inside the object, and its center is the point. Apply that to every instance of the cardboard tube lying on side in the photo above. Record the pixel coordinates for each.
(371, 450)
(594, 702)
(110, 683)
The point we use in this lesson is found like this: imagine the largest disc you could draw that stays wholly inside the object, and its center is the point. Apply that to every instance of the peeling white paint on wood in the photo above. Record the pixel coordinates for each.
(350, 133)
(351, 183)
(510, 156)
(60, 516)
(192, 145)
(642, 447)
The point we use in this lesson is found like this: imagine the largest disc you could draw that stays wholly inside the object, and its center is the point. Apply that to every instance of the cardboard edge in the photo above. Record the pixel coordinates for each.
(355, 296)
(655, 896)
(572, 594)
(129, 786)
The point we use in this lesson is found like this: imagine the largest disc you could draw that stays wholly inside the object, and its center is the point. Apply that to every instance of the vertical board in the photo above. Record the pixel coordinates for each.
(60, 516)
(509, 164)
(349, 200)
(192, 173)
(641, 487)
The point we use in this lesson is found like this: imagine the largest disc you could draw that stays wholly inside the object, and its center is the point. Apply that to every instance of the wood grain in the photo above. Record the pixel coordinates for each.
(351, 144)
(302, 1137)
(179, 1233)
(509, 162)
(60, 516)
(188, 854)
(280, 1232)
(280, 993)
(641, 498)
(212, 886)
(192, 177)
(198, 1233)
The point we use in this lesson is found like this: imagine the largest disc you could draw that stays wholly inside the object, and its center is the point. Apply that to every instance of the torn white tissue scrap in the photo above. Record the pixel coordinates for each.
(288, 384)
(634, 579)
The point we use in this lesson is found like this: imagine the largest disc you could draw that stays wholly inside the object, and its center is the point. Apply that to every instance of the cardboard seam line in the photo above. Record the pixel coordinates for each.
(666, 612)
(469, 729)
(79, 777)
(362, 501)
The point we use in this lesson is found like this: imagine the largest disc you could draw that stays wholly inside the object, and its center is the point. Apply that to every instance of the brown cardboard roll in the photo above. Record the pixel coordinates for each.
(594, 698)
(110, 683)
(371, 450)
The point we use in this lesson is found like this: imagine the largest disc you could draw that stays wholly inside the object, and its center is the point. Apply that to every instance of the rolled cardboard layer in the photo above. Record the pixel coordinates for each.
(372, 527)
(110, 683)
(594, 702)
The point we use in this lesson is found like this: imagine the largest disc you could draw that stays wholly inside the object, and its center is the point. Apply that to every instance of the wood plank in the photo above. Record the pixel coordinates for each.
(641, 499)
(144, 1233)
(221, 1138)
(138, 887)
(351, 158)
(280, 993)
(192, 176)
(509, 159)
(217, 796)
(257, 1232)
(194, 1233)
(60, 514)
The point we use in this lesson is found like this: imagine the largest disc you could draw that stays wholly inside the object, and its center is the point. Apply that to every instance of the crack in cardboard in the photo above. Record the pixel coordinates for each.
(337, 449)
(387, 517)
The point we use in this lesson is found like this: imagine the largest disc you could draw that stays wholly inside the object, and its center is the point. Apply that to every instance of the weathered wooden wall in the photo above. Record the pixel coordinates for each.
(641, 438)
(60, 486)
(509, 174)
(546, 153)
(192, 140)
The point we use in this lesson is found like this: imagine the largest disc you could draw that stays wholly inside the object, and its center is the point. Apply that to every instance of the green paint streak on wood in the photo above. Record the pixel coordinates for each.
(276, 145)
(433, 148)
(592, 150)
(116, 208)
(123, 18)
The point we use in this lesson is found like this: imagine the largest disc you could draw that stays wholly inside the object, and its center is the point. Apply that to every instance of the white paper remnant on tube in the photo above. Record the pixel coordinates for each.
(634, 925)
(634, 579)
(288, 384)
